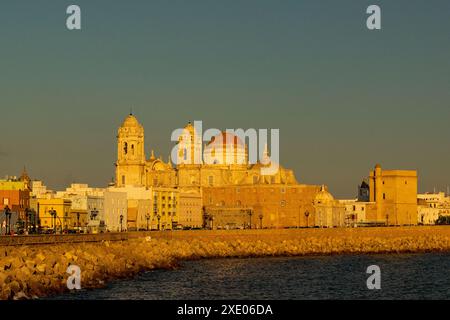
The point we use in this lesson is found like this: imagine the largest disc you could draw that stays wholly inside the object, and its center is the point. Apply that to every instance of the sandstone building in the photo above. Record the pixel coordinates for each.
(232, 193)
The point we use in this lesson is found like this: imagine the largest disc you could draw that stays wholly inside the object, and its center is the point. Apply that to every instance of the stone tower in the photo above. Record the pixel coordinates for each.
(130, 163)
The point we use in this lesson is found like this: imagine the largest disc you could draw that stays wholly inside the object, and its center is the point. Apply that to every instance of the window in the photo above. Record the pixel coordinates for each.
(125, 148)
(354, 208)
(123, 179)
(283, 203)
(211, 180)
(132, 149)
(384, 196)
(283, 190)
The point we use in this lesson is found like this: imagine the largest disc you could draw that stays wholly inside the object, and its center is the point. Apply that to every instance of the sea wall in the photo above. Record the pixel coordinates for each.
(40, 270)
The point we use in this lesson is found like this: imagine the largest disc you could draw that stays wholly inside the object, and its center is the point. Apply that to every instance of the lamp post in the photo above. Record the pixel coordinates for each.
(147, 216)
(26, 219)
(387, 219)
(159, 219)
(211, 219)
(121, 219)
(250, 215)
(307, 215)
(8, 220)
(53, 215)
(260, 220)
(78, 222)
(32, 220)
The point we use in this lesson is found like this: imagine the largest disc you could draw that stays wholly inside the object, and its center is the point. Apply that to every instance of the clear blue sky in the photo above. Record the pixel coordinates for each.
(343, 97)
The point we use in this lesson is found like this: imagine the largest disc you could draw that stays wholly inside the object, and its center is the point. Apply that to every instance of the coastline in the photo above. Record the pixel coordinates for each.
(30, 272)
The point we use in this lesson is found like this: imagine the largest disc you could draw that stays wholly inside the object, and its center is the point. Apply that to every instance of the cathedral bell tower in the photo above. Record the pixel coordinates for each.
(130, 163)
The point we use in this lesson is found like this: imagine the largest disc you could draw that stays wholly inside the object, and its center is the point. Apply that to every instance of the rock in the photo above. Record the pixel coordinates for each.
(41, 268)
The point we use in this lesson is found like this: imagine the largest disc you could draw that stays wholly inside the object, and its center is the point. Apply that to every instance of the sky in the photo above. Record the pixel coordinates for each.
(343, 97)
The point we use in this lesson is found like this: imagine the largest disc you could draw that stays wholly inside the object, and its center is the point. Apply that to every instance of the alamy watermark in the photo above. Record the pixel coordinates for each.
(74, 279)
(374, 281)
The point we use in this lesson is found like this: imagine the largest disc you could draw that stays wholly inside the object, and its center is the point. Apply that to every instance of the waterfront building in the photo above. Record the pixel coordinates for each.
(260, 205)
(395, 195)
(54, 213)
(154, 206)
(15, 193)
(190, 210)
(355, 211)
(87, 210)
(116, 209)
(430, 206)
(329, 212)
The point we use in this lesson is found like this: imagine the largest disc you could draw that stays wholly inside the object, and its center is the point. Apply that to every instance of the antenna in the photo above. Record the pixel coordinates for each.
(131, 111)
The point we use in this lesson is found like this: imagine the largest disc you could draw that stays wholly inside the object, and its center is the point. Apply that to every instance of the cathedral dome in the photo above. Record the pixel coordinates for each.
(131, 122)
(227, 139)
(323, 196)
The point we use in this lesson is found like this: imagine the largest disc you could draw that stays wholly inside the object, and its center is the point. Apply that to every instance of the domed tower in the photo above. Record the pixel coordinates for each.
(189, 146)
(130, 163)
(323, 203)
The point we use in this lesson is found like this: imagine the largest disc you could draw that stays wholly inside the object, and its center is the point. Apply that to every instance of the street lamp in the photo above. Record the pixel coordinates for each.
(27, 213)
(78, 222)
(159, 219)
(307, 215)
(8, 220)
(250, 215)
(260, 220)
(147, 216)
(121, 219)
(387, 219)
(211, 219)
(53, 215)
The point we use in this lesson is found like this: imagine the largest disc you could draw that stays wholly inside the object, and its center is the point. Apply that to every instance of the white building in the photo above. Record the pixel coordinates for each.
(40, 191)
(87, 203)
(115, 208)
(430, 206)
(355, 212)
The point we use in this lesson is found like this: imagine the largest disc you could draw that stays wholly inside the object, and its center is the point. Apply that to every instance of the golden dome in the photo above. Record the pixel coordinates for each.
(227, 138)
(131, 122)
(323, 196)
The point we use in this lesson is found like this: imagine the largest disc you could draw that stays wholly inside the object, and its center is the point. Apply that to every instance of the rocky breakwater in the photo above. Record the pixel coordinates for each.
(36, 271)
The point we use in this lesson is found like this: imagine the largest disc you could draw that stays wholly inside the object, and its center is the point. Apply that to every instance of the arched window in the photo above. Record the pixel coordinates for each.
(132, 149)
(125, 148)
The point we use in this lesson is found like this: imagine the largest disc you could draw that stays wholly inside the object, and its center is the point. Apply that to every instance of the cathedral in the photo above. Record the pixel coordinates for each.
(234, 194)
(133, 168)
